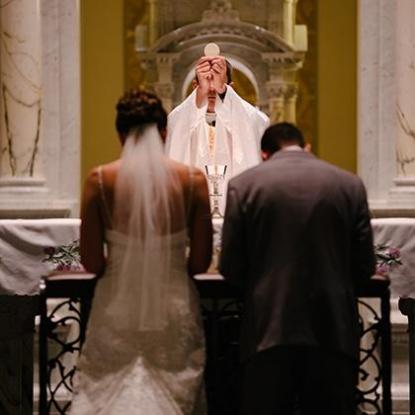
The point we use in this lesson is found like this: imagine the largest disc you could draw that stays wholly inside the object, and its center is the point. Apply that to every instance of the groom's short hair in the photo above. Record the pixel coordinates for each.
(281, 135)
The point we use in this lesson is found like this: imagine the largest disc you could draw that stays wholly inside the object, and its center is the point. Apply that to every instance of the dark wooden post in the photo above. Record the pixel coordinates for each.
(17, 316)
(407, 308)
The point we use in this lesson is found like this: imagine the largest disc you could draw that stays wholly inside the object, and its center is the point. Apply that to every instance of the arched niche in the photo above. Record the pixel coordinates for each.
(267, 60)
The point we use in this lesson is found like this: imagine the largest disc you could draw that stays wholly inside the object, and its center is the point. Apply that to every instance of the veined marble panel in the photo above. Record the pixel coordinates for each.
(376, 97)
(405, 106)
(386, 148)
(61, 113)
(20, 88)
(50, 59)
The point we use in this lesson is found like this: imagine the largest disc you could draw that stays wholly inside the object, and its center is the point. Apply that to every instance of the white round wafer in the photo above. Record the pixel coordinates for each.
(212, 49)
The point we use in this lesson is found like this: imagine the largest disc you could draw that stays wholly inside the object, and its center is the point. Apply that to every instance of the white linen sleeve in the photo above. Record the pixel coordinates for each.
(182, 121)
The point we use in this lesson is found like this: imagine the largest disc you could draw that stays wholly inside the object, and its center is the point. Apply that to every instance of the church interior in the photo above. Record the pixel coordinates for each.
(342, 71)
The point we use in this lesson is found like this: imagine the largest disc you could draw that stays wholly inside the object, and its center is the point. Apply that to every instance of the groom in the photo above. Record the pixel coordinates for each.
(297, 239)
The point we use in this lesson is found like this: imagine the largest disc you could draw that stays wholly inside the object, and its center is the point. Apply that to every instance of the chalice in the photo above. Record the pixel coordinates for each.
(216, 175)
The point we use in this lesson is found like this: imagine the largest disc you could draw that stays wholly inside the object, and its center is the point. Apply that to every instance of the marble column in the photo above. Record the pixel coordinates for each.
(275, 86)
(282, 85)
(291, 102)
(153, 23)
(405, 104)
(164, 87)
(165, 93)
(141, 38)
(386, 110)
(39, 108)
(288, 12)
(276, 100)
(21, 92)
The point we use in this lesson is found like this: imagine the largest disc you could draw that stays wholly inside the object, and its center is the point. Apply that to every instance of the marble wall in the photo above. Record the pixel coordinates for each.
(39, 109)
(386, 109)
(21, 89)
(405, 103)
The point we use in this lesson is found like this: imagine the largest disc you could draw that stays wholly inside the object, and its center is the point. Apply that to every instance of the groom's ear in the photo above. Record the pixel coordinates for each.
(265, 155)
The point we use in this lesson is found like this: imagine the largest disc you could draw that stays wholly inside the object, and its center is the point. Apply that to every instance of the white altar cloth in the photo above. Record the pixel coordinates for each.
(392, 232)
(24, 243)
(398, 233)
(27, 249)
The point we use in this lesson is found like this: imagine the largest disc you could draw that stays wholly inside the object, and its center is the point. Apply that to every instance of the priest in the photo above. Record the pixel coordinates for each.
(214, 125)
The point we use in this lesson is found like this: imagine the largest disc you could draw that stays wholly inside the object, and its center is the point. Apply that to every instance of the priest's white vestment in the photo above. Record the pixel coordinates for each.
(238, 130)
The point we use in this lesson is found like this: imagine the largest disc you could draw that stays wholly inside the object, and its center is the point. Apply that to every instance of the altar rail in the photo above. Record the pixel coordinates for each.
(221, 308)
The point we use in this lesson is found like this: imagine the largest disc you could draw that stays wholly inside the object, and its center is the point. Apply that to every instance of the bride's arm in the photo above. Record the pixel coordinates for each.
(92, 226)
(200, 227)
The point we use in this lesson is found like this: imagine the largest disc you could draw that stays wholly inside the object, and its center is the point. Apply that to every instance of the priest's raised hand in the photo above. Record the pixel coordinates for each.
(214, 125)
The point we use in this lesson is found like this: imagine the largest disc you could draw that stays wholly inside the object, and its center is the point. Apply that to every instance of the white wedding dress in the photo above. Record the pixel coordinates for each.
(126, 371)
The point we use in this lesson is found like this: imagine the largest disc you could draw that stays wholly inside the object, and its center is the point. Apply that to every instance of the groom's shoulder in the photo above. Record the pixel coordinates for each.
(246, 178)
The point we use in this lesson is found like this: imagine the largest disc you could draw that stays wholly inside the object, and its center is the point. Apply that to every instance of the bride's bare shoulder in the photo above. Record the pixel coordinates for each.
(107, 168)
(112, 166)
(103, 174)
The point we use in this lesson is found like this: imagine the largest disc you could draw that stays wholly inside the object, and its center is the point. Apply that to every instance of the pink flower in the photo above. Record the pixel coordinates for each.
(394, 252)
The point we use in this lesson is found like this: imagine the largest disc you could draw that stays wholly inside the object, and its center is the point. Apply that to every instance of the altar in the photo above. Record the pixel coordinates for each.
(30, 249)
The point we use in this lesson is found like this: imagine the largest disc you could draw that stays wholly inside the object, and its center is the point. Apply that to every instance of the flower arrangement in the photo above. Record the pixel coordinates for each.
(387, 258)
(64, 257)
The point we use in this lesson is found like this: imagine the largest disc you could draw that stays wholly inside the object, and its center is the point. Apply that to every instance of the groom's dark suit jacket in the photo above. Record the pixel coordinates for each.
(297, 239)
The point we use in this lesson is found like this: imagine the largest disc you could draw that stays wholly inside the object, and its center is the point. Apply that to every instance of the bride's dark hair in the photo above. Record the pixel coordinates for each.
(138, 107)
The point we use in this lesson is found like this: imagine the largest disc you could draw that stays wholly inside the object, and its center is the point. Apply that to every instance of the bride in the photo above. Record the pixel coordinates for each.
(144, 349)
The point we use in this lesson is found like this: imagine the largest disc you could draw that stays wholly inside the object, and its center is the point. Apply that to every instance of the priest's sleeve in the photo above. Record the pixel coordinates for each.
(182, 122)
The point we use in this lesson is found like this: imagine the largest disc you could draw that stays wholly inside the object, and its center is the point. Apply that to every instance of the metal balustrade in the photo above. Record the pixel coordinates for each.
(76, 293)
(221, 310)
